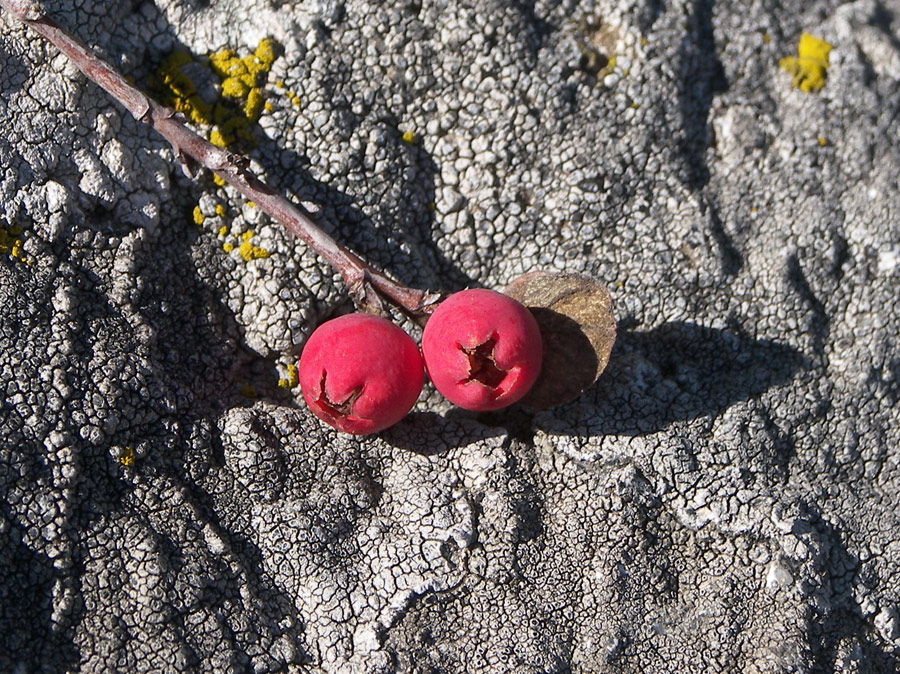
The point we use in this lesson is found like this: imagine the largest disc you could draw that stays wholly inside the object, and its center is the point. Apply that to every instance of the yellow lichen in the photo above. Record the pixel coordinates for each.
(248, 251)
(11, 243)
(219, 180)
(241, 97)
(235, 87)
(264, 56)
(242, 77)
(127, 457)
(198, 216)
(227, 64)
(253, 107)
(223, 230)
(176, 89)
(248, 391)
(822, 141)
(807, 70)
(292, 379)
(216, 138)
(409, 136)
(220, 210)
(228, 247)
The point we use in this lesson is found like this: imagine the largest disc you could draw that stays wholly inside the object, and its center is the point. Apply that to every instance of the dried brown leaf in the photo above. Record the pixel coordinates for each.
(574, 313)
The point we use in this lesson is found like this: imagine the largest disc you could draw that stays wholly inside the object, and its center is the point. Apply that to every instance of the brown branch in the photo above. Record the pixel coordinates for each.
(367, 286)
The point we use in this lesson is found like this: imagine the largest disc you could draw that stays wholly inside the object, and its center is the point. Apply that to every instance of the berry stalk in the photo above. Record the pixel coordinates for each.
(367, 286)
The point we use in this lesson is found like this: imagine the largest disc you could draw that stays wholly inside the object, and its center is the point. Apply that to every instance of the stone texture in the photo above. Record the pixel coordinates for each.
(724, 499)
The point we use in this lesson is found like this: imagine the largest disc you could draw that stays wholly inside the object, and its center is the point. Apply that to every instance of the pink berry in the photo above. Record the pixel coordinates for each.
(360, 373)
(482, 349)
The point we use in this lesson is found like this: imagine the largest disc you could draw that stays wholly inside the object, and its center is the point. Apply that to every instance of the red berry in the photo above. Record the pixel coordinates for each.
(482, 349)
(360, 373)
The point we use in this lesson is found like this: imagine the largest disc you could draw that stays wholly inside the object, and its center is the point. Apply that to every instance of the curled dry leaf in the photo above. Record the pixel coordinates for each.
(578, 329)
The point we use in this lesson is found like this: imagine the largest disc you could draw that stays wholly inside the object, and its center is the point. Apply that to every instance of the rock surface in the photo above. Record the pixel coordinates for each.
(725, 499)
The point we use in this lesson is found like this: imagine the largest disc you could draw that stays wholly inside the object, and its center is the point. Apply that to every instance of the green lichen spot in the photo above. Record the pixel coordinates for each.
(807, 69)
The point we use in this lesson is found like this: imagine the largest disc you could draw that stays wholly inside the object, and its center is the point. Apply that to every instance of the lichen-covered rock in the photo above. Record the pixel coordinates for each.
(724, 498)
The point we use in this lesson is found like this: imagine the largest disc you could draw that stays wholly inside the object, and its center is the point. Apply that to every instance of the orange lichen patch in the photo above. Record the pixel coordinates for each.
(807, 69)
